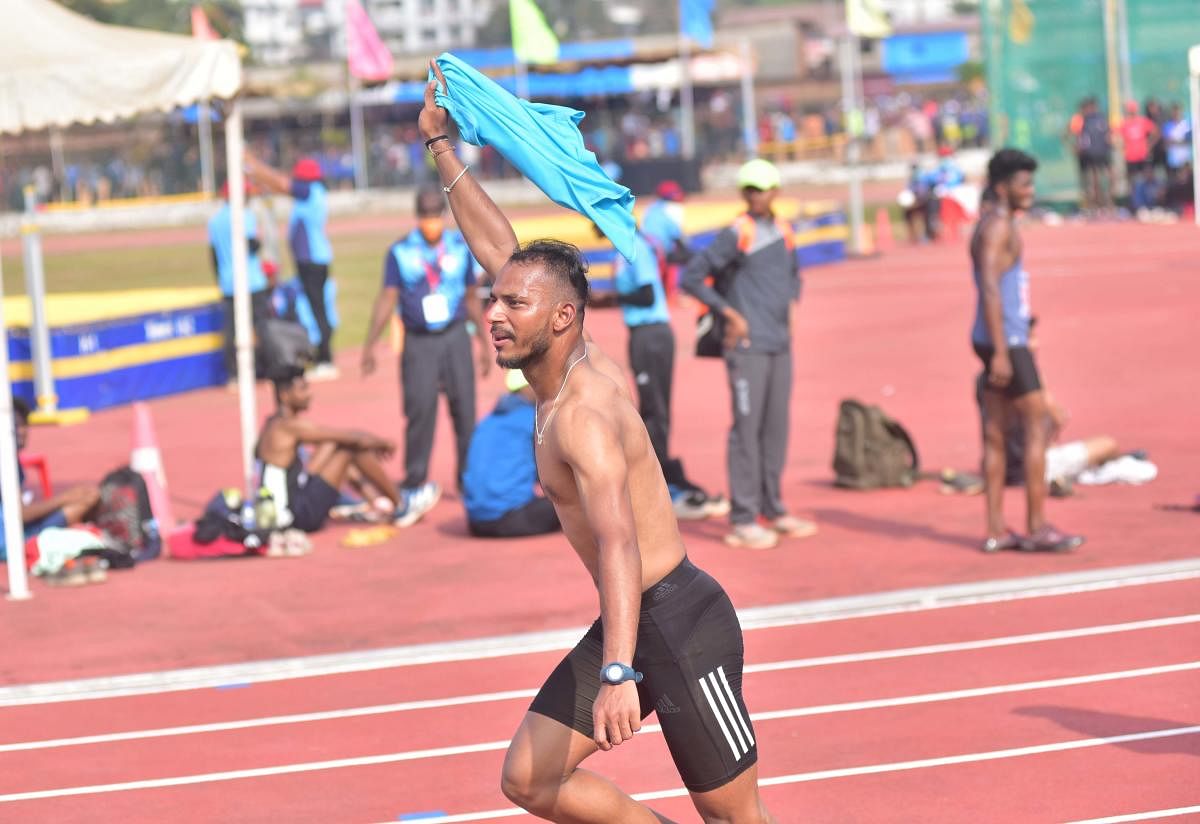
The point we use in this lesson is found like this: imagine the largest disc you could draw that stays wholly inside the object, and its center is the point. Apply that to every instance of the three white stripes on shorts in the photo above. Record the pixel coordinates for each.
(728, 714)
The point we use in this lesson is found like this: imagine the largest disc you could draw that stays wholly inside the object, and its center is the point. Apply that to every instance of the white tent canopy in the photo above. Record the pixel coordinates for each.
(58, 68)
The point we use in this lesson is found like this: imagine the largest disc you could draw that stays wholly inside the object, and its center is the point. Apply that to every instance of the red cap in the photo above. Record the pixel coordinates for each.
(670, 190)
(945, 150)
(307, 170)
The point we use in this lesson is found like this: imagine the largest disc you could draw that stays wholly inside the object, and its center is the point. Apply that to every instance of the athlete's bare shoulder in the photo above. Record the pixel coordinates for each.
(606, 366)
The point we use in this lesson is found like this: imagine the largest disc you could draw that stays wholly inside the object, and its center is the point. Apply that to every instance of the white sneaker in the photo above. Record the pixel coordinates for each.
(789, 526)
(417, 502)
(752, 536)
(324, 372)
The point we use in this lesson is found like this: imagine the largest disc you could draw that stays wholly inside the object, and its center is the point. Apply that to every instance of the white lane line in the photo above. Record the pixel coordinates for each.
(269, 721)
(874, 769)
(441, 752)
(483, 698)
(984, 643)
(1146, 816)
(802, 612)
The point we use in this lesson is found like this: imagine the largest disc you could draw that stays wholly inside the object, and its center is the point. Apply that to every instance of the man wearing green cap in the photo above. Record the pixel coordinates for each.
(750, 280)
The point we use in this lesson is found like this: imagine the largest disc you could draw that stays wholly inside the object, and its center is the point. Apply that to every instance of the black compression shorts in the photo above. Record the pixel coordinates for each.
(689, 649)
(1025, 377)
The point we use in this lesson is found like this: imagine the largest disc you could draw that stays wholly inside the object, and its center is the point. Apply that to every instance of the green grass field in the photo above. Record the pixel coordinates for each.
(358, 267)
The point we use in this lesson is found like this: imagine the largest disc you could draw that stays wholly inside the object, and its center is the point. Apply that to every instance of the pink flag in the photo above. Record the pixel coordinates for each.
(368, 57)
(201, 28)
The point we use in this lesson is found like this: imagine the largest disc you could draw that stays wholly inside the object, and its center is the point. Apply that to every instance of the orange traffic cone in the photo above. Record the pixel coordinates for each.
(146, 460)
(884, 242)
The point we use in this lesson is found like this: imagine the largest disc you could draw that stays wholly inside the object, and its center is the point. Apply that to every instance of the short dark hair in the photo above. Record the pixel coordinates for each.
(428, 193)
(20, 409)
(282, 377)
(1006, 163)
(563, 260)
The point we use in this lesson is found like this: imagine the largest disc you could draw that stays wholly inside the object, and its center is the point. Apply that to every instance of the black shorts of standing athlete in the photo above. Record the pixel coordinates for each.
(1025, 378)
(689, 648)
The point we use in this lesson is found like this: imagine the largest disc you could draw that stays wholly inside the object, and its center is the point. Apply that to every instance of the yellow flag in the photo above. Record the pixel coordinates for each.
(865, 18)
(532, 40)
(1020, 22)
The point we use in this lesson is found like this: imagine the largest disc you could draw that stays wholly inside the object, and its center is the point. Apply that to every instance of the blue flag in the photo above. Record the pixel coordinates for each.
(695, 21)
(544, 143)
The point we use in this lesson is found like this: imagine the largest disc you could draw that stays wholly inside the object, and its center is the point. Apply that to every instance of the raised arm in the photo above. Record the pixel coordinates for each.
(591, 447)
(266, 176)
(487, 231)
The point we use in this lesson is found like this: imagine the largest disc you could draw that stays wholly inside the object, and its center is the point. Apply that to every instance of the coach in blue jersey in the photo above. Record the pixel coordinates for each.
(429, 281)
(308, 240)
(220, 240)
(1000, 336)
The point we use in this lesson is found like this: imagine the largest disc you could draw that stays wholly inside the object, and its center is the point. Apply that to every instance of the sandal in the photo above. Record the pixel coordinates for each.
(1051, 539)
(1010, 540)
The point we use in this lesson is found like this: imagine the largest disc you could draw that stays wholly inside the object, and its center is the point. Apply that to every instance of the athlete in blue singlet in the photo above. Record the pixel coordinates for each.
(1001, 340)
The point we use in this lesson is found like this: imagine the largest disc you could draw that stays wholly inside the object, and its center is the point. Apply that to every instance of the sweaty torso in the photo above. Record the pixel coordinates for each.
(276, 444)
(659, 544)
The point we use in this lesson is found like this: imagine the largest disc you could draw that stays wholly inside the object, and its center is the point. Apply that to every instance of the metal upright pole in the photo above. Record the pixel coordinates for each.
(204, 132)
(357, 137)
(852, 128)
(687, 100)
(520, 78)
(749, 128)
(1194, 86)
(10, 483)
(242, 322)
(35, 288)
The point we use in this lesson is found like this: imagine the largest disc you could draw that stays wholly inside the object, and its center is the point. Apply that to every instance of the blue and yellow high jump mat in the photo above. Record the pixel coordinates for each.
(821, 232)
(112, 348)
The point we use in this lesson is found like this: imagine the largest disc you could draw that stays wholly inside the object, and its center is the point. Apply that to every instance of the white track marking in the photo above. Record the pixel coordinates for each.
(985, 643)
(441, 752)
(875, 769)
(1146, 816)
(802, 612)
(489, 697)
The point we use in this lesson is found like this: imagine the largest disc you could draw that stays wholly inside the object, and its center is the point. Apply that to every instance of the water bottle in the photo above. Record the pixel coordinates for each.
(264, 509)
(249, 522)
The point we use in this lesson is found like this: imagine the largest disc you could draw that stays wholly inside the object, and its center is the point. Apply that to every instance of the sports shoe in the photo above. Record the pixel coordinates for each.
(70, 574)
(95, 568)
(1051, 539)
(717, 506)
(789, 526)
(417, 502)
(1010, 540)
(752, 536)
(324, 372)
(690, 506)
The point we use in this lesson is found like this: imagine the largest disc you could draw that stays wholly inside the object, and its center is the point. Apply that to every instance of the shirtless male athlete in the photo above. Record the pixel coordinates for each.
(304, 493)
(1000, 337)
(668, 638)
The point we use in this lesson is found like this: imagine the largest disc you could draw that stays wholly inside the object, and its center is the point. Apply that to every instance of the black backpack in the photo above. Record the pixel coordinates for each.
(872, 451)
(284, 343)
(125, 519)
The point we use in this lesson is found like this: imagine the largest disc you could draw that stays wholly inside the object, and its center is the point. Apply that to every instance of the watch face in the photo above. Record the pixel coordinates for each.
(614, 673)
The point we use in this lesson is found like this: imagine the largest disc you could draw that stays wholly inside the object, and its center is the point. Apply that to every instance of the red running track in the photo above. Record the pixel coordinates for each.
(1133, 674)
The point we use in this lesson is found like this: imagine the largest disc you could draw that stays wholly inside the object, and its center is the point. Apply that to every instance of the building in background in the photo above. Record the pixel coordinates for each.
(285, 32)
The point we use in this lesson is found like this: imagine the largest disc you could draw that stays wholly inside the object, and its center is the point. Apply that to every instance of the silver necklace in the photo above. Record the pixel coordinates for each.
(541, 430)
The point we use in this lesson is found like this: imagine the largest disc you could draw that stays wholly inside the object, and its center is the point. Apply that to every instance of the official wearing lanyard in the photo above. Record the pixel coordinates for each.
(429, 281)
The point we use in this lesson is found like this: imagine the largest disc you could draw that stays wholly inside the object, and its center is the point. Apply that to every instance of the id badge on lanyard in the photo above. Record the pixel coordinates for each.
(435, 306)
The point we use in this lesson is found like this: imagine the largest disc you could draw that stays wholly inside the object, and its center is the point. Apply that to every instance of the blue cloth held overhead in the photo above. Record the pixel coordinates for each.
(544, 143)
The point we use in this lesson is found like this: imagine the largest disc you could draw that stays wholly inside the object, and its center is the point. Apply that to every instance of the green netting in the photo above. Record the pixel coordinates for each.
(1043, 56)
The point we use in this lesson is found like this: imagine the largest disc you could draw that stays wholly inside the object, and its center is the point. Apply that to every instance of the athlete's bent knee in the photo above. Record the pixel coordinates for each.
(527, 790)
